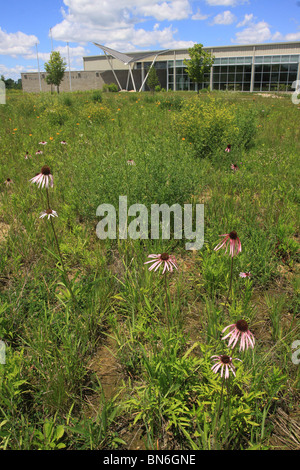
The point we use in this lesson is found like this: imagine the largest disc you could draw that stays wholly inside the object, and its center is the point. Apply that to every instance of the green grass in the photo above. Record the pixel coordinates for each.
(129, 364)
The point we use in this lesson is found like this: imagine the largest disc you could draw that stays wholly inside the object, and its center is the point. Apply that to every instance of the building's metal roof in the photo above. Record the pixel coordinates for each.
(125, 58)
(142, 55)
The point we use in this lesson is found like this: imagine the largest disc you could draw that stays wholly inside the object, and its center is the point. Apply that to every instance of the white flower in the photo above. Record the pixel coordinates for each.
(49, 213)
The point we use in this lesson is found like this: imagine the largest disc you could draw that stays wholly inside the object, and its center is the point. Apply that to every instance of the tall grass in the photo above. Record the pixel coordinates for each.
(51, 397)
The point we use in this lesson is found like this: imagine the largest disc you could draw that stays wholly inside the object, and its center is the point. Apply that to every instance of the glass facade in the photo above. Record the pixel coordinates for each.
(180, 78)
(270, 73)
(232, 77)
(275, 73)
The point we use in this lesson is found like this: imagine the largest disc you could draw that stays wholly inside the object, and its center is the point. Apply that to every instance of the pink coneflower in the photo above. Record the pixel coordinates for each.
(130, 162)
(44, 178)
(234, 241)
(42, 142)
(27, 156)
(246, 274)
(8, 182)
(234, 167)
(39, 152)
(240, 330)
(228, 148)
(223, 362)
(169, 262)
(63, 142)
(48, 213)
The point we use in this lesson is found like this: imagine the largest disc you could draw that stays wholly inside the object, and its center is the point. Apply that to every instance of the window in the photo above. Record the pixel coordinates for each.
(285, 58)
(283, 77)
(294, 68)
(267, 59)
(276, 59)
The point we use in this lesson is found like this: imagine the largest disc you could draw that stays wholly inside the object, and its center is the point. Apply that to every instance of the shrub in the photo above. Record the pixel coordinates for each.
(211, 125)
(67, 100)
(97, 96)
(57, 114)
(94, 112)
(111, 87)
(172, 102)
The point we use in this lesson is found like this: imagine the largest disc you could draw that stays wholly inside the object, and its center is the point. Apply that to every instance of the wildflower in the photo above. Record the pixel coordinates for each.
(8, 182)
(30, 135)
(228, 148)
(49, 213)
(51, 138)
(246, 274)
(63, 142)
(223, 362)
(42, 142)
(27, 156)
(39, 152)
(234, 167)
(44, 178)
(130, 162)
(234, 241)
(240, 330)
(169, 262)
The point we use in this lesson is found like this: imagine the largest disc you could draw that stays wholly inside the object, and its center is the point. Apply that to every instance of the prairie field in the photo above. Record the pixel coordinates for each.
(101, 351)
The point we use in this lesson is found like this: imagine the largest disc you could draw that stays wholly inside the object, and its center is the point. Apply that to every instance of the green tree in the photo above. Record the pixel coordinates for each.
(55, 69)
(11, 84)
(200, 62)
(152, 80)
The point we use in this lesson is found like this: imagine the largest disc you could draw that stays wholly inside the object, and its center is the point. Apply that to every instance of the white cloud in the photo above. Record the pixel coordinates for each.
(15, 44)
(198, 15)
(278, 37)
(292, 37)
(140, 38)
(225, 3)
(14, 72)
(224, 18)
(124, 12)
(254, 33)
(247, 19)
(171, 10)
(260, 32)
(115, 23)
(74, 52)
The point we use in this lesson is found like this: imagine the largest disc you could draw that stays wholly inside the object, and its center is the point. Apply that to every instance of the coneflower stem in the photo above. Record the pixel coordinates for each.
(167, 300)
(230, 282)
(59, 252)
(218, 414)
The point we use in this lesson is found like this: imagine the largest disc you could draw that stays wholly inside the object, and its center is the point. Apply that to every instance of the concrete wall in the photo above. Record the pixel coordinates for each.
(80, 81)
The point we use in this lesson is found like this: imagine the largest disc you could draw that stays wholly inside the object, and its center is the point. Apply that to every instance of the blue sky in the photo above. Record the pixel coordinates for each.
(129, 25)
